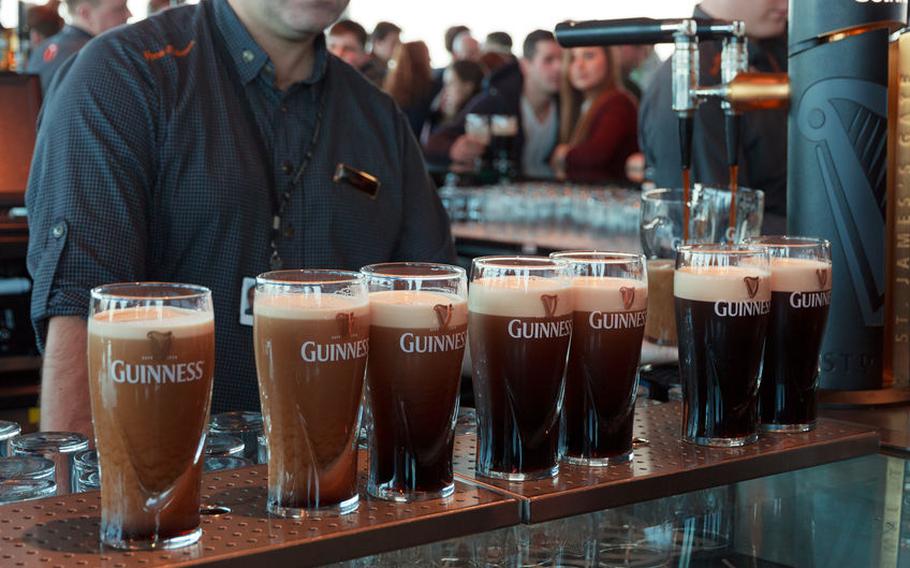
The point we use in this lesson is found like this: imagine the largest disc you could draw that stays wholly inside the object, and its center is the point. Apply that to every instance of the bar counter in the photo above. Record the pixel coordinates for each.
(708, 487)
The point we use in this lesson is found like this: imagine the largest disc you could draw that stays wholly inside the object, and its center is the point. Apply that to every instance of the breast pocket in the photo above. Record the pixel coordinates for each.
(366, 208)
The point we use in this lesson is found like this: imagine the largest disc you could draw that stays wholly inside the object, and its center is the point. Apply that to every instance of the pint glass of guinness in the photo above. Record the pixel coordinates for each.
(151, 357)
(610, 298)
(311, 334)
(418, 330)
(520, 322)
(723, 304)
(800, 296)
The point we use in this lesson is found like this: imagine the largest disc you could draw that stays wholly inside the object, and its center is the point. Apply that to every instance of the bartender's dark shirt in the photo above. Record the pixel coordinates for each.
(54, 51)
(763, 151)
(147, 168)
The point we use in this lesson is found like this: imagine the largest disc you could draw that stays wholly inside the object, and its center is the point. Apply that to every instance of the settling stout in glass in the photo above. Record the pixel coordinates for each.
(151, 357)
(610, 298)
(520, 322)
(800, 296)
(418, 330)
(311, 335)
(723, 302)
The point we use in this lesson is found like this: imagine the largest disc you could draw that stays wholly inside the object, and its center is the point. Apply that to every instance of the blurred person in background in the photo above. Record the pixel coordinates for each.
(527, 89)
(632, 59)
(599, 123)
(497, 51)
(43, 22)
(462, 82)
(466, 48)
(347, 40)
(88, 18)
(384, 40)
(156, 6)
(763, 135)
(410, 83)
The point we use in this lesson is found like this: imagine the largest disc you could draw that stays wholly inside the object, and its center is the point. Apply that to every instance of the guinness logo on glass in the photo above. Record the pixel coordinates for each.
(443, 314)
(161, 344)
(628, 296)
(345, 324)
(822, 275)
(751, 285)
(549, 302)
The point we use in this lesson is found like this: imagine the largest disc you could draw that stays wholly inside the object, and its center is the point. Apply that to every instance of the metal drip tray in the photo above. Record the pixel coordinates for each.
(64, 531)
(668, 466)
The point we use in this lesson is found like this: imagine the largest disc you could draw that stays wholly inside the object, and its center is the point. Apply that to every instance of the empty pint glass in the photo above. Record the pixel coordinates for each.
(418, 330)
(151, 355)
(311, 335)
(610, 298)
(723, 302)
(800, 297)
(520, 324)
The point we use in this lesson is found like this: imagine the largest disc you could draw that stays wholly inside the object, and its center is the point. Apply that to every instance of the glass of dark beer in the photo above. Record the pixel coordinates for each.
(610, 299)
(151, 357)
(520, 323)
(418, 330)
(311, 335)
(723, 304)
(800, 296)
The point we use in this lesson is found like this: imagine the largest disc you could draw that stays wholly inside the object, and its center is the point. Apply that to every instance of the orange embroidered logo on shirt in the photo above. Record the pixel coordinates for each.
(169, 50)
(50, 53)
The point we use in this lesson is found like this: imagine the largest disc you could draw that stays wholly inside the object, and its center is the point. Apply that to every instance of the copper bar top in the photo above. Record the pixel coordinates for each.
(63, 531)
(669, 466)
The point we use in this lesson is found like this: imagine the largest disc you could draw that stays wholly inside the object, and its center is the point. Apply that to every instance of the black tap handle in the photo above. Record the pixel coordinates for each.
(632, 31)
(686, 126)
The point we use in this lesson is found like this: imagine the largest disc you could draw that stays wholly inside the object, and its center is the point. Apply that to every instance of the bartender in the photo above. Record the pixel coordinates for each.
(208, 144)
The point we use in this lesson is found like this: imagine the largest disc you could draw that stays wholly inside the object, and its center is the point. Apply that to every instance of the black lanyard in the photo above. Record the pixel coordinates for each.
(279, 201)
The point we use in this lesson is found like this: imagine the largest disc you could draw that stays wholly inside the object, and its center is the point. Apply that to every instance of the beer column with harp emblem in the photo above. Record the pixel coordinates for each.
(837, 169)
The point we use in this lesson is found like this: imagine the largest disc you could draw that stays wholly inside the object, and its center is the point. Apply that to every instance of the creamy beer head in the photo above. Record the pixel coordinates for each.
(520, 296)
(308, 306)
(800, 275)
(137, 322)
(591, 293)
(417, 309)
(722, 284)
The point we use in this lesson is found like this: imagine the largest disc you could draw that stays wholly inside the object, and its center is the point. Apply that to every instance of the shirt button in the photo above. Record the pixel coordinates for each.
(58, 230)
(284, 108)
(287, 168)
(289, 231)
(247, 56)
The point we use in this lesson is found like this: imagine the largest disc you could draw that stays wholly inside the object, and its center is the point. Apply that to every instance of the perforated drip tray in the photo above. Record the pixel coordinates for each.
(668, 466)
(63, 531)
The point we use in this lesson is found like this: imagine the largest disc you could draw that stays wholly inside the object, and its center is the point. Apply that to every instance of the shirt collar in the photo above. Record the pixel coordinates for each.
(248, 57)
(76, 30)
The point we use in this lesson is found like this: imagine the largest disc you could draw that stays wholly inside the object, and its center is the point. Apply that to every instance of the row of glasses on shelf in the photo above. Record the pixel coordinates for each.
(600, 210)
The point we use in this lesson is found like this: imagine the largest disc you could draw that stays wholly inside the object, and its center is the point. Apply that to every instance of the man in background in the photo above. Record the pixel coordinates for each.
(88, 18)
(763, 149)
(497, 51)
(384, 40)
(43, 22)
(347, 40)
(526, 89)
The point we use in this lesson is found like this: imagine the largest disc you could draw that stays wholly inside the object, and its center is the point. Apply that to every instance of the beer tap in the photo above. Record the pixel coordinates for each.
(739, 90)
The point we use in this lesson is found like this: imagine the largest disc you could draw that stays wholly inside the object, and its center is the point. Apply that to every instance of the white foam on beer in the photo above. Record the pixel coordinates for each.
(136, 322)
(799, 275)
(720, 283)
(518, 296)
(415, 309)
(593, 294)
(308, 306)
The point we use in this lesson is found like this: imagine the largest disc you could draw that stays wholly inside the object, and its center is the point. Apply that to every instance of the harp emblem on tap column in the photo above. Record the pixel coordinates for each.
(850, 131)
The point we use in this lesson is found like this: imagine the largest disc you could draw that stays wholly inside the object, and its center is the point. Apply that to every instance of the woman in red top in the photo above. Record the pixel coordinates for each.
(598, 120)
